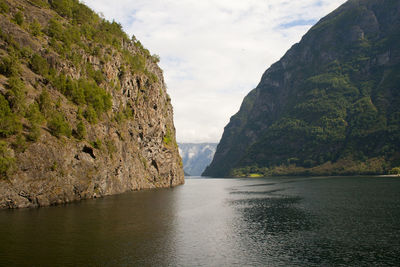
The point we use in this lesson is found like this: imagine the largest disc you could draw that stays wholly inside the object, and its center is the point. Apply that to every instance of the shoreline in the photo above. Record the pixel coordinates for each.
(302, 176)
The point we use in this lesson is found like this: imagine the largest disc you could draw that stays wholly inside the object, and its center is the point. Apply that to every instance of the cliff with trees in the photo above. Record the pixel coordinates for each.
(84, 110)
(329, 106)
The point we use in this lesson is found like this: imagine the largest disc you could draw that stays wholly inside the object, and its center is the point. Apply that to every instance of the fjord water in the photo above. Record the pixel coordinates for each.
(216, 222)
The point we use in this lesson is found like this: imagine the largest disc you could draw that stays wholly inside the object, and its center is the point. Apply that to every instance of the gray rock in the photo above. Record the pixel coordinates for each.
(133, 155)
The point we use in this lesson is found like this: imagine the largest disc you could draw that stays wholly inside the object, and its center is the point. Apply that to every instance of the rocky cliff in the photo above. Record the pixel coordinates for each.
(331, 105)
(84, 110)
(196, 157)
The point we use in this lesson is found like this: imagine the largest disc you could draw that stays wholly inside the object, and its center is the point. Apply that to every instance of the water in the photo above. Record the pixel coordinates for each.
(216, 222)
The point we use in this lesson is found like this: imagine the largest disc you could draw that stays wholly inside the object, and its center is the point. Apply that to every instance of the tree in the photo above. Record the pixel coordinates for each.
(80, 130)
(39, 64)
(9, 123)
(59, 126)
(19, 18)
(7, 162)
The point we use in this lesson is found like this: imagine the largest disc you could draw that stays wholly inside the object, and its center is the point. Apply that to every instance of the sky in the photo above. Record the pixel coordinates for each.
(213, 52)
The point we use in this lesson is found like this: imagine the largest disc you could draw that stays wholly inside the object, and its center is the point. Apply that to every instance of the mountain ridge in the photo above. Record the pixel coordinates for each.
(196, 157)
(328, 106)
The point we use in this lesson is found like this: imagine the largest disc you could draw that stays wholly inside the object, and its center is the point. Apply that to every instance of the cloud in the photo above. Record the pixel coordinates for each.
(213, 52)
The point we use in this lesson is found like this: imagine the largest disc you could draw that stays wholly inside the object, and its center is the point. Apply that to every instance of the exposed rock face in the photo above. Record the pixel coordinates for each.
(329, 106)
(136, 152)
(196, 157)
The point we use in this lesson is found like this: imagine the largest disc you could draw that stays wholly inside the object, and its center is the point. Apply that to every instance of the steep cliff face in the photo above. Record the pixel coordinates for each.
(329, 106)
(84, 109)
(196, 156)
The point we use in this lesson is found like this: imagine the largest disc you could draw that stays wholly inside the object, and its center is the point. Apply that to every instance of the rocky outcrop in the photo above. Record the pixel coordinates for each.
(329, 106)
(131, 146)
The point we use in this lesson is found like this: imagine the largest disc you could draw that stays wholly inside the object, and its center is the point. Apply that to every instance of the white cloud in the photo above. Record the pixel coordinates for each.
(213, 52)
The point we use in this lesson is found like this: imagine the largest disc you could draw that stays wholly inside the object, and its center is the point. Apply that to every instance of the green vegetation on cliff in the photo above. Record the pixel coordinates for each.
(330, 106)
(84, 110)
(48, 79)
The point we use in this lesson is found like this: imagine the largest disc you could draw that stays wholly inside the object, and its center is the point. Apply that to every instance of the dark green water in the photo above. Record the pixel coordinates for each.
(216, 222)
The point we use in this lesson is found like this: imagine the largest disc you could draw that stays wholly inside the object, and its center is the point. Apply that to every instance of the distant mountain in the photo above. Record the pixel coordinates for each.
(331, 105)
(196, 157)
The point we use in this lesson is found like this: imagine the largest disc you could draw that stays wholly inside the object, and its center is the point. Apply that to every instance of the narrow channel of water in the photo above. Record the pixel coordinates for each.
(216, 222)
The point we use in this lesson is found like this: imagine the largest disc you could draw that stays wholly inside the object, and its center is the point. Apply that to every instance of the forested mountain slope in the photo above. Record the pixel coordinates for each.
(331, 105)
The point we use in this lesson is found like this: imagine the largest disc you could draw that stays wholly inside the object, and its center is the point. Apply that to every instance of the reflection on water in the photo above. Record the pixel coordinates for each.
(216, 222)
(112, 231)
(274, 216)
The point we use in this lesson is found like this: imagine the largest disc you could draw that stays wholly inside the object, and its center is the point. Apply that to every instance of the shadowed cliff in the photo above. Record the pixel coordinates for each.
(329, 106)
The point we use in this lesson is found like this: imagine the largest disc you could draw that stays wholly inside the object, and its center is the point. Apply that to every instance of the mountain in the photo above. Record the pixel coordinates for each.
(84, 110)
(330, 105)
(196, 157)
